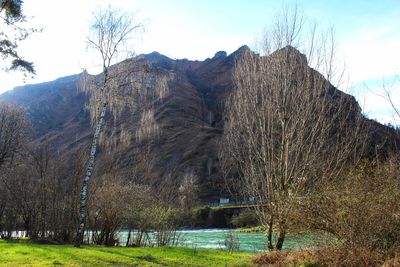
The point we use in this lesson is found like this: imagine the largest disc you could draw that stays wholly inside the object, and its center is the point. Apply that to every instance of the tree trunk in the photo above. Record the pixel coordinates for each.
(85, 184)
(128, 240)
(270, 225)
(279, 241)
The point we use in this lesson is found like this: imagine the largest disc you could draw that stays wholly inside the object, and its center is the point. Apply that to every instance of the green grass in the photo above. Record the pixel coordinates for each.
(23, 253)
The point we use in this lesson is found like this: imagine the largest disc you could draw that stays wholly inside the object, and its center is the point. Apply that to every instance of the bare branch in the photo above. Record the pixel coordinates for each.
(287, 126)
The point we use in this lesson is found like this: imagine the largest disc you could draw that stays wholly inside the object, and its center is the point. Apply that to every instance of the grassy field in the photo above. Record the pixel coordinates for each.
(23, 253)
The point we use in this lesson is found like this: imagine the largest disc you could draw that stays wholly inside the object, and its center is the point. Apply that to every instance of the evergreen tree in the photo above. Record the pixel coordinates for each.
(11, 34)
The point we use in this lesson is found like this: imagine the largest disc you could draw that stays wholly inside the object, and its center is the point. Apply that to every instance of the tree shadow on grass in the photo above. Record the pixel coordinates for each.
(148, 258)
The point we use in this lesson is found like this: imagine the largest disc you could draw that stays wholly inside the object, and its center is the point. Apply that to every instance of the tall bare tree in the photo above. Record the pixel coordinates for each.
(109, 33)
(13, 137)
(287, 126)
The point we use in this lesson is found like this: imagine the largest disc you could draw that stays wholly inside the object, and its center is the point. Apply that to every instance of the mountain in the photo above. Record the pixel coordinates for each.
(179, 103)
(49, 105)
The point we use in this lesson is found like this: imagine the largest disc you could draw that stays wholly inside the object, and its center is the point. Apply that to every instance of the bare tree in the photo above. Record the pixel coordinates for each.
(109, 208)
(188, 190)
(41, 171)
(110, 31)
(23, 191)
(41, 194)
(287, 126)
(389, 88)
(13, 132)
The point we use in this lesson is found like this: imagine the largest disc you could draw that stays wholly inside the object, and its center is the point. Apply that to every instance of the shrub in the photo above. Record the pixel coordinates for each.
(231, 242)
(323, 257)
(164, 222)
(199, 216)
(361, 209)
(303, 258)
(246, 218)
(270, 258)
(343, 257)
(393, 262)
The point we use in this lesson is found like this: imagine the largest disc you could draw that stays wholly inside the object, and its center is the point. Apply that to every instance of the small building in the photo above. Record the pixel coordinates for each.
(223, 201)
(252, 200)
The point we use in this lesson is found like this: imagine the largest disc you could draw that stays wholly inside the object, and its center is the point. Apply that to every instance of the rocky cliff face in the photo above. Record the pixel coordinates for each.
(174, 126)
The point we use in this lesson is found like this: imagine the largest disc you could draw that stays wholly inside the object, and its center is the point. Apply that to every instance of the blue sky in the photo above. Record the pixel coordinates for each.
(367, 33)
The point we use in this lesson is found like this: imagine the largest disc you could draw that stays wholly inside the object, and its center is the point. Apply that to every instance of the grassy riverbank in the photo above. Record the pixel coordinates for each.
(24, 253)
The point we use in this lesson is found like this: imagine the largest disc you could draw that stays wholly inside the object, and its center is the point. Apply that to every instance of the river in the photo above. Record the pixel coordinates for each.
(215, 239)
(249, 242)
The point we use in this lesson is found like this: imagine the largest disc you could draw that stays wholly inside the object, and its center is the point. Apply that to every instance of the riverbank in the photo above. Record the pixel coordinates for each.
(254, 229)
(24, 253)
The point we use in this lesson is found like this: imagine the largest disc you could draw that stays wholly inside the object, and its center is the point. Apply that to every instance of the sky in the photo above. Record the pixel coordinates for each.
(367, 35)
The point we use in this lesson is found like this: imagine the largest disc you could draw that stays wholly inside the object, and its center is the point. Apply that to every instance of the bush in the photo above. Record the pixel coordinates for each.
(393, 262)
(303, 258)
(231, 242)
(164, 221)
(270, 258)
(361, 209)
(323, 257)
(246, 218)
(107, 209)
(199, 216)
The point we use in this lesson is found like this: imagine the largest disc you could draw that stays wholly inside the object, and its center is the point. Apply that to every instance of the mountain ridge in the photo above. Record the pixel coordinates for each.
(187, 121)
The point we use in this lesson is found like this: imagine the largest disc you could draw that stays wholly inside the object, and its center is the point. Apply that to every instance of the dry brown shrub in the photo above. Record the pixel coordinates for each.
(288, 258)
(303, 257)
(358, 257)
(361, 209)
(393, 262)
(273, 258)
(324, 257)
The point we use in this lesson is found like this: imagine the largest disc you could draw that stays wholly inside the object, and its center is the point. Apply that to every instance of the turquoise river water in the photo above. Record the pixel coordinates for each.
(249, 242)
